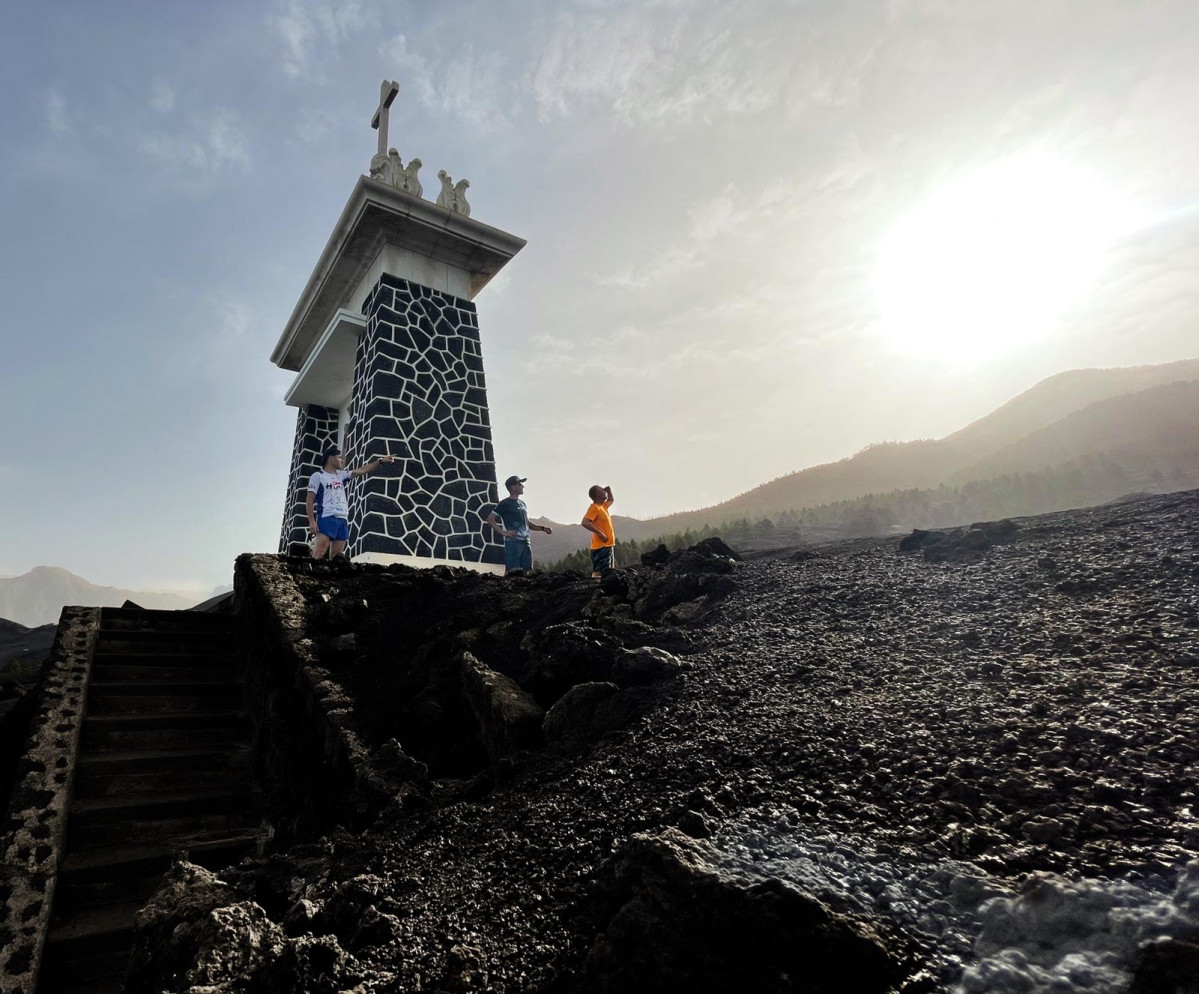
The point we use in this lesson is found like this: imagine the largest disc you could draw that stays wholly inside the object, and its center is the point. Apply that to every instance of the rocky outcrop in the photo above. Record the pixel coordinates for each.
(682, 924)
(507, 718)
(959, 544)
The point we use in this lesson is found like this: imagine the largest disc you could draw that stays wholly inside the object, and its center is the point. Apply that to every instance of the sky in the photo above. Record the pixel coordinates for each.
(761, 235)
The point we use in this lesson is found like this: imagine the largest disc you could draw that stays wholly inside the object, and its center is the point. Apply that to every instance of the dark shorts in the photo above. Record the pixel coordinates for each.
(336, 529)
(518, 554)
(601, 559)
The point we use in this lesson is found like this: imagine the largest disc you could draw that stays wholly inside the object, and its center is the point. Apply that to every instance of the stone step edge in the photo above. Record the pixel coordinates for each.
(96, 864)
(161, 688)
(152, 759)
(135, 807)
(223, 718)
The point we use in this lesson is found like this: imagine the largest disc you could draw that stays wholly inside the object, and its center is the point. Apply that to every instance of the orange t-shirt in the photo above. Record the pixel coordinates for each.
(597, 514)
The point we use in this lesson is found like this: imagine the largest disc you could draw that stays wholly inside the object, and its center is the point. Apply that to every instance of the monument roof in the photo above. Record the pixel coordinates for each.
(377, 215)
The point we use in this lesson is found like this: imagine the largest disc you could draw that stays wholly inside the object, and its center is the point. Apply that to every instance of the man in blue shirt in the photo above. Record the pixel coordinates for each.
(511, 519)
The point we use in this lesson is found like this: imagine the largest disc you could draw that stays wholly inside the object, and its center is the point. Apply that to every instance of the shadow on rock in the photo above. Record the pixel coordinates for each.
(681, 924)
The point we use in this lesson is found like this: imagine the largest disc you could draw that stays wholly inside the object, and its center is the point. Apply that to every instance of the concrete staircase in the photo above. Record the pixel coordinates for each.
(163, 769)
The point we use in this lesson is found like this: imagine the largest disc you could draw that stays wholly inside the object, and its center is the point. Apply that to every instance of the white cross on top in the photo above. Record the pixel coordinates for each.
(387, 93)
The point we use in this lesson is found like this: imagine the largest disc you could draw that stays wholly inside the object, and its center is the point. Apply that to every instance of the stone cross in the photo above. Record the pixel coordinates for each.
(387, 93)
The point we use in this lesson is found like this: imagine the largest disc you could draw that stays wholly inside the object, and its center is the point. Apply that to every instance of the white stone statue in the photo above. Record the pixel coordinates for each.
(394, 167)
(406, 179)
(460, 204)
(446, 197)
(453, 196)
(379, 166)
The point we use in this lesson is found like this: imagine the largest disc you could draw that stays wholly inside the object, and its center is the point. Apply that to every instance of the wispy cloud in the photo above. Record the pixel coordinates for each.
(56, 113)
(673, 64)
(315, 125)
(212, 142)
(305, 27)
(476, 88)
(162, 96)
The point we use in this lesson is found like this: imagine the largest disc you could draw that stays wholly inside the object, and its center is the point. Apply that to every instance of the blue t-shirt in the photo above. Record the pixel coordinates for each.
(515, 516)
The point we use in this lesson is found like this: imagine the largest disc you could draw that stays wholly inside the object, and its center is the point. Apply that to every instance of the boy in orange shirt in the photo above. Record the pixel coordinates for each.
(599, 523)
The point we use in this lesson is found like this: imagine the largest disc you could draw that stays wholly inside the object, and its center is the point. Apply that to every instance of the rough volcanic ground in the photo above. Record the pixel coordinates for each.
(971, 768)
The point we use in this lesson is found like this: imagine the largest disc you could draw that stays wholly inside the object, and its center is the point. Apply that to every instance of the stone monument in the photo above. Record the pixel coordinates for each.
(385, 344)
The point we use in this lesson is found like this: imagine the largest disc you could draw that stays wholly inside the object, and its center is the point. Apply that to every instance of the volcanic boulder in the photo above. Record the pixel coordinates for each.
(681, 923)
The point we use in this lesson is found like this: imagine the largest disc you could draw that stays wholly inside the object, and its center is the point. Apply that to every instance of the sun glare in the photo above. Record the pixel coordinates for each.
(993, 259)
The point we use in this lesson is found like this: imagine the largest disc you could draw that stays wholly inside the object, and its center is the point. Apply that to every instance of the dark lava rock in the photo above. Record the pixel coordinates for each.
(715, 546)
(572, 718)
(615, 583)
(656, 557)
(645, 665)
(561, 656)
(507, 717)
(959, 544)
(1167, 966)
(920, 538)
(591, 710)
(196, 930)
(680, 924)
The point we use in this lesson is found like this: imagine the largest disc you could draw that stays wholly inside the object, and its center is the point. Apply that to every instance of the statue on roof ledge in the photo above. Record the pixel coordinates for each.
(391, 170)
(453, 195)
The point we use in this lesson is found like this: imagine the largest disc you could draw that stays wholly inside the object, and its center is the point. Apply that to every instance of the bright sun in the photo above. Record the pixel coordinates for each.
(993, 259)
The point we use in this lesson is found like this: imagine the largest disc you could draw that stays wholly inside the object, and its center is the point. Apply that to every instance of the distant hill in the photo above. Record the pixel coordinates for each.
(964, 455)
(38, 597)
(1151, 430)
(1080, 436)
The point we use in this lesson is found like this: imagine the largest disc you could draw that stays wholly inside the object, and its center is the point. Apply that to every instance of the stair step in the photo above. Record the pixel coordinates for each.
(158, 760)
(164, 781)
(216, 657)
(159, 688)
(101, 973)
(91, 932)
(197, 623)
(127, 698)
(159, 817)
(186, 802)
(153, 637)
(147, 672)
(166, 729)
(124, 873)
(134, 859)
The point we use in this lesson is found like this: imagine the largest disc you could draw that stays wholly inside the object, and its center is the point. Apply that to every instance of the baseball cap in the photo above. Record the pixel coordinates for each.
(514, 479)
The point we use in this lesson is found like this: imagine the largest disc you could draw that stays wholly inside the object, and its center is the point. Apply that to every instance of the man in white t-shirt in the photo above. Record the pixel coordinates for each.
(328, 508)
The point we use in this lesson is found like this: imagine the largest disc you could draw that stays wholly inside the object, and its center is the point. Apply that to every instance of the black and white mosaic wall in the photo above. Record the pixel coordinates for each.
(316, 428)
(420, 395)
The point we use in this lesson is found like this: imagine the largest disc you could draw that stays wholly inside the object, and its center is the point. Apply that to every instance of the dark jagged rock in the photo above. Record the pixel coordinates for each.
(591, 710)
(645, 665)
(615, 583)
(656, 557)
(1167, 966)
(715, 546)
(562, 656)
(921, 538)
(959, 544)
(682, 924)
(508, 718)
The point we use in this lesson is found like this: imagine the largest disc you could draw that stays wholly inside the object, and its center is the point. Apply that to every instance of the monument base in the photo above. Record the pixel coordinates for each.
(426, 562)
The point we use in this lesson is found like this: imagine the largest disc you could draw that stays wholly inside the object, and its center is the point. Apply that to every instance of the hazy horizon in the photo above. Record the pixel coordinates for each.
(761, 236)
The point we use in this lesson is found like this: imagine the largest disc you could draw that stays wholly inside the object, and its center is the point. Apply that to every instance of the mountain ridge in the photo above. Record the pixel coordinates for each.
(985, 448)
(37, 597)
